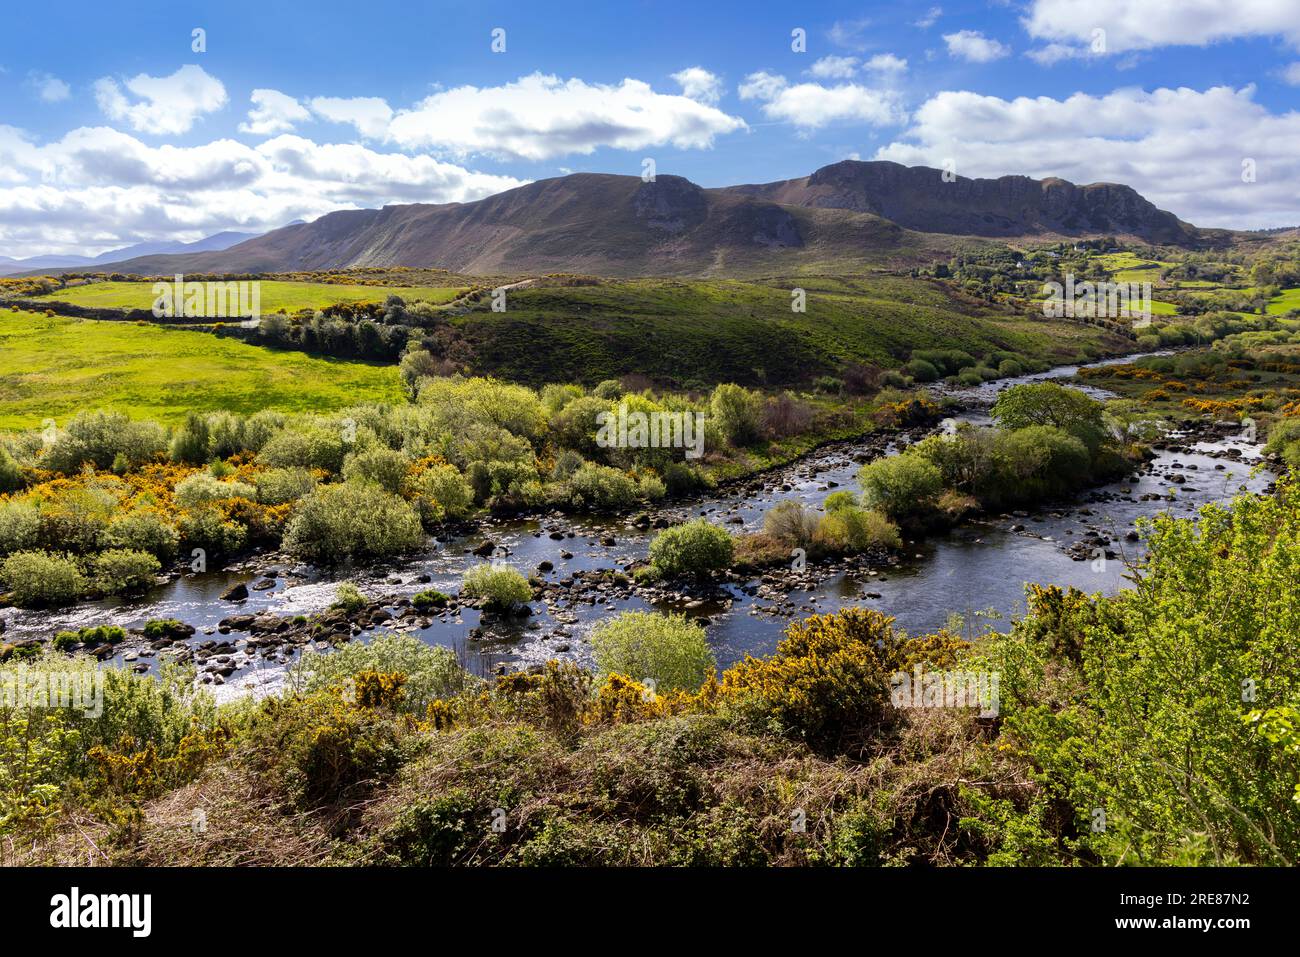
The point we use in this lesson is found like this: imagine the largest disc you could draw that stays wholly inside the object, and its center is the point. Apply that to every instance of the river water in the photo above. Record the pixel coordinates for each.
(978, 570)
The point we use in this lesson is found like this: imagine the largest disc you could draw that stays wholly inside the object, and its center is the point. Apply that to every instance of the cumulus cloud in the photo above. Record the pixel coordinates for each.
(1148, 24)
(887, 63)
(167, 105)
(699, 84)
(811, 106)
(273, 112)
(974, 47)
(540, 116)
(99, 188)
(1183, 149)
(48, 88)
(370, 115)
(928, 20)
(834, 67)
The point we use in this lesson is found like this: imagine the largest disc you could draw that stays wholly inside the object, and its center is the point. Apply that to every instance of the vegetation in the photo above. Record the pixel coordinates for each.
(663, 652)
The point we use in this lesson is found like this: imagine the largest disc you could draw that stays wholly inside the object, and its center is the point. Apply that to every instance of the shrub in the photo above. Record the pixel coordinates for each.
(696, 548)
(503, 587)
(352, 520)
(670, 650)
(1010, 367)
(853, 529)
(840, 499)
(143, 530)
(430, 598)
(207, 528)
(202, 488)
(600, 488)
(737, 412)
(348, 597)
(901, 486)
(1049, 403)
(442, 493)
(312, 448)
(11, 475)
(431, 672)
(99, 438)
(20, 525)
(922, 371)
(381, 466)
(39, 578)
(119, 569)
(791, 523)
(281, 486)
(682, 479)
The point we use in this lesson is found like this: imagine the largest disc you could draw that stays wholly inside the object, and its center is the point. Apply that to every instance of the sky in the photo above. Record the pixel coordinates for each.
(172, 120)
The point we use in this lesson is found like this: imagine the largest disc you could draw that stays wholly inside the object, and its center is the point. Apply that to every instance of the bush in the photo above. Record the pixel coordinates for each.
(38, 578)
(430, 598)
(737, 412)
(202, 488)
(853, 529)
(11, 475)
(351, 520)
(600, 488)
(143, 530)
(281, 486)
(313, 448)
(670, 650)
(901, 486)
(432, 673)
(119, 570)
(682, 479)
(922, 371)
(381, 466)
(696, 548)
(503, 587)
(20, 525)
(442, 494)
(348, 597)
(102, 439)
(789, 522)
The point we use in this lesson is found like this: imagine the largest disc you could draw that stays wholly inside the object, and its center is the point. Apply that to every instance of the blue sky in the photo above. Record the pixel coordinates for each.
(114, 130)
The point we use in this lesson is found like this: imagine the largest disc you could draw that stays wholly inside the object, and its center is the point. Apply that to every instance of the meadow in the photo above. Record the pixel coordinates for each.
(277, 295)
(53, 367)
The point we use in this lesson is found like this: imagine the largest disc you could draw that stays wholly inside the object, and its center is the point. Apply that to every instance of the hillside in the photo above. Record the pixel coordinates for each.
(842, 217)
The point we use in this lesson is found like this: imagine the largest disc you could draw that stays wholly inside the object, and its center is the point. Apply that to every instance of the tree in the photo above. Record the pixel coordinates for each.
(1048, 403)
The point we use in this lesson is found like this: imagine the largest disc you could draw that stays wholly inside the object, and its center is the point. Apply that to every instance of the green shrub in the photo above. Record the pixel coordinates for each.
(209, 529)
(381, 466)
(317, 447)
(40, 578)
(430, 598)
(119, 569)
(442, 494)
(143, 530)
(922, 371)
(432, 672)
(202, 488)
(503, 587)
(350, 520)
(737, 412)
(158, 628)
(901, 486)
(348, 597)
(279, 486)
(20, 524)
(11, 475)
(696, 548)
(670, 650)
(102, 439)
(599, 488)
(682, 479)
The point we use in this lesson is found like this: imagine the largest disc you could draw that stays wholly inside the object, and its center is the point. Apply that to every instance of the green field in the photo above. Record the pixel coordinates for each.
(276, 295)
(52, 367)
(696, 333)
(1288, 300)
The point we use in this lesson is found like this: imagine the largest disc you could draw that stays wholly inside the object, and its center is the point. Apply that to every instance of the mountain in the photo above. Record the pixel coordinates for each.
(842, 216)
(213, 243)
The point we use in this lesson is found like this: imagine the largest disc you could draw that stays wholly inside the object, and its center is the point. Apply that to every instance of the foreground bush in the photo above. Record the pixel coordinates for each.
(350, 520)
(670, 650)
(696, 548)
(432, 673)
(120, 570)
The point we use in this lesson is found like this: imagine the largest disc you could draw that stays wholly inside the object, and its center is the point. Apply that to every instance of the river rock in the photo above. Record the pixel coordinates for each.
(235, 593)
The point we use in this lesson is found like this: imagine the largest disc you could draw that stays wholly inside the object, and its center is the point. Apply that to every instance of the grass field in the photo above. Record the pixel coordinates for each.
(696, 333)
(1288, 300)
(52, 367)
(276, 294)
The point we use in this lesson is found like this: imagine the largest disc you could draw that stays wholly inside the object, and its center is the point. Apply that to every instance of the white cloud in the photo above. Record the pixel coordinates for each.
(810, 106)
(49, 88)
(848, 33)
(1148, 24)
(273, 112)
(1291, 73)
(369, 114)
(167, 105)
(1182, 149)
(540, 116)
(887, 63)
(99, 188)
(931, 15)
(974, 47)
(835, 67)
(699, 84)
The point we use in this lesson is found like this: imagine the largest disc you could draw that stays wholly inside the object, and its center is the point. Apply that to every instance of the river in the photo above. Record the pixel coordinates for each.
(978, 570)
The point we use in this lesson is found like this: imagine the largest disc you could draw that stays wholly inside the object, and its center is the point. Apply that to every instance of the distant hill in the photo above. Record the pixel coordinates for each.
(846, 215)
(213, 243)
